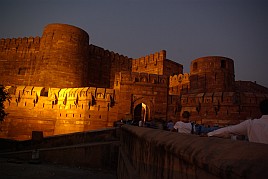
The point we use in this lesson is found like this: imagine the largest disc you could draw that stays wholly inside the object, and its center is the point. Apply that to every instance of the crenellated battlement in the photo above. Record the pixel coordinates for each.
(26, 44)
(179, 84)
(19, 41)
(176, 80)
(141, 78)
(156, 63)
(60, 96)
(101, 52)
(152, 63)
(103, 65)
(117, 61)
(152, 58)
(59, 110)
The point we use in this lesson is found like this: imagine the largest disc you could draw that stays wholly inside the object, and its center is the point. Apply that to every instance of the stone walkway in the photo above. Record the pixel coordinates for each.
(11, 169)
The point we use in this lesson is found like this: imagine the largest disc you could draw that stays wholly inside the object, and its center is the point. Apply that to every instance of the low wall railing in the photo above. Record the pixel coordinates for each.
(151, 153)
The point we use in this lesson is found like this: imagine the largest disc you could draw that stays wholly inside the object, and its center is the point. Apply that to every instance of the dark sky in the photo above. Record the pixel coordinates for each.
(186, 29)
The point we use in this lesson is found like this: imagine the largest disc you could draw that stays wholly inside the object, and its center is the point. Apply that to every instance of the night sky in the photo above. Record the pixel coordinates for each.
(186, 29)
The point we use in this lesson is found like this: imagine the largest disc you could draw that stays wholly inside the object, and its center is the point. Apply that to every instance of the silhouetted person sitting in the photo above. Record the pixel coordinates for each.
(184, 126)
(170, 125)
(256, 130)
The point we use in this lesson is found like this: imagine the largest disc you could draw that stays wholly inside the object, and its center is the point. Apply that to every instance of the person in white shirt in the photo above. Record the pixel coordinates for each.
(184, 126)
(256, 130)
(140, 123)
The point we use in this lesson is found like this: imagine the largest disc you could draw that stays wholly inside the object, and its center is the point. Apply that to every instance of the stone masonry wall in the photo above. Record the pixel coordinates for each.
(151, 153)
(221, 108)
(211, 94)
(212, 74)
(156, 64)
(97, 149)
(57, 111)
(18, 58)
(136, 88)
(61, 58)
(48, 75)
(179, 84)
(103, 65)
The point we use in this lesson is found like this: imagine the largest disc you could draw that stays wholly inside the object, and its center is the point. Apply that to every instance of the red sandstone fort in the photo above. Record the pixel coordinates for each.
(59, 83)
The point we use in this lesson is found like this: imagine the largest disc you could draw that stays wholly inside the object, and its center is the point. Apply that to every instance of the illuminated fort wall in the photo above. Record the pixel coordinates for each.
(59, 83)
(62, 67)
(58, 110)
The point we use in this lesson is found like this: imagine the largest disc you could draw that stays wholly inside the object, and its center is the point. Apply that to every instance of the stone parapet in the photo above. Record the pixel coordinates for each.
(153, 153)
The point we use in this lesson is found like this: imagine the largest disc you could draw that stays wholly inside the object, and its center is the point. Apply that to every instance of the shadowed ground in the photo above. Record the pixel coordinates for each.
(10, 169)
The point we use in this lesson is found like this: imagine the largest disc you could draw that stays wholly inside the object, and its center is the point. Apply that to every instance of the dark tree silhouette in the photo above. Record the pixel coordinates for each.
(3, 97)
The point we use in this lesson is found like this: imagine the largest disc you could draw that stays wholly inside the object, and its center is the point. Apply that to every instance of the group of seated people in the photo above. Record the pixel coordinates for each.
(255, 130)
(184, 126)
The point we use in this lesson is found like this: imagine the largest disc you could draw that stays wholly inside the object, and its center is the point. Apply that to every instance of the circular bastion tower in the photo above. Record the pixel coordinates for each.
(63, 57)
(212, 74)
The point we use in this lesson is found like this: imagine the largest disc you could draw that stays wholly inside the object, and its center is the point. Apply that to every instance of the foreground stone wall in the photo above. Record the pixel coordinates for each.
(150, 153)
(95, 149)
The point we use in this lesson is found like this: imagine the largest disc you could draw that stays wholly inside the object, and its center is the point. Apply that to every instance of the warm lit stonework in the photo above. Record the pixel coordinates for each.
(59, 83)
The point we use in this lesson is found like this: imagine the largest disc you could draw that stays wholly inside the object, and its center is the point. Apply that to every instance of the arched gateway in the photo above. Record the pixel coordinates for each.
(141, 112)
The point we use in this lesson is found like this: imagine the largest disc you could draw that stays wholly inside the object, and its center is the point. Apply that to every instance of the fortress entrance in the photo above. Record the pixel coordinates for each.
(141, 112)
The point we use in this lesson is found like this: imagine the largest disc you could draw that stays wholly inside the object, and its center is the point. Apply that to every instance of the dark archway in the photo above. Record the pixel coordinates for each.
(141, 113)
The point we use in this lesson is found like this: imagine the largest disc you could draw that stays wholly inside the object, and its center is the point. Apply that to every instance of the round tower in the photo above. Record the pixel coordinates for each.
(212, 74)
(63, 57)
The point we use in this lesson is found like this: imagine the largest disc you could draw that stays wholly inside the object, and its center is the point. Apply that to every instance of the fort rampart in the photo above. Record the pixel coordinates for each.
(57, 110)
(61, 58)
(66, 110)
(104, 64)
(18, 58)
(60, 83)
